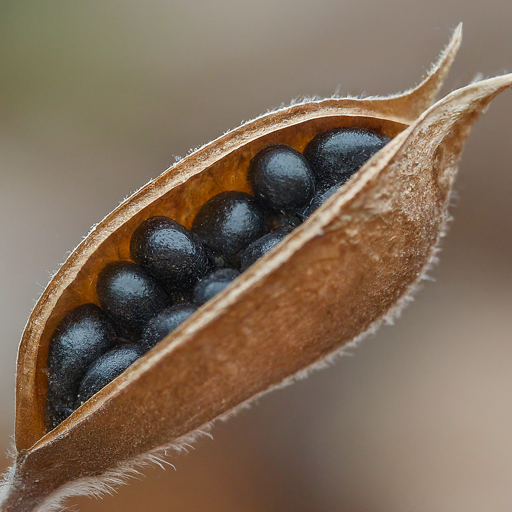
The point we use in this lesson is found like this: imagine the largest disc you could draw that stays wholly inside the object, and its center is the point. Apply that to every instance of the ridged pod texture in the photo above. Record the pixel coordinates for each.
(363, 252)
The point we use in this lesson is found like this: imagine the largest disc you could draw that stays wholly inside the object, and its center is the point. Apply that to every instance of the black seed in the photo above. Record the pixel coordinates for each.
(83, 335)
(336, 154)
(169, 252)
(130, 296)
(105, 369)
(213, 284)
(258, 248)
(281, 177)
(319, 199)
(284, 220)
(160, 326)
(229, 222)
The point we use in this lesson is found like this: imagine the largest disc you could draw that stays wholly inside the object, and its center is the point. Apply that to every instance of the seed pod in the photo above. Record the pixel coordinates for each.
(364, 250)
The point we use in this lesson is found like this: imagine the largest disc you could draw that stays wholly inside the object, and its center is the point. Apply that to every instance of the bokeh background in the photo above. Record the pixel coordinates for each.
(98, 97)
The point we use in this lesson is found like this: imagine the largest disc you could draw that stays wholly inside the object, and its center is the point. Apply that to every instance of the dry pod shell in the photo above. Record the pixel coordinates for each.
(363, 252)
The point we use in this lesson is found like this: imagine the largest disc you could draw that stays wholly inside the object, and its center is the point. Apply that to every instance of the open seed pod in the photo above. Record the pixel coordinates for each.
(333, 279)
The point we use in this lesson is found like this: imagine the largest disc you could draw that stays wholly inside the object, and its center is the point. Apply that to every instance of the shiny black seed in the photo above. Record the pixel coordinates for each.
(336, 154)
(160, 326)
(284, 220)
(281, 177)
(83, 335)
(213, 284)
(169, 252)
(105, 369)
(130, 296)
(258, 248)
(229, 222)
(319, 199)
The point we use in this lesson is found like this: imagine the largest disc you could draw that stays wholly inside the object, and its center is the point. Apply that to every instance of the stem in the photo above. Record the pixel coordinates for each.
(26, 488)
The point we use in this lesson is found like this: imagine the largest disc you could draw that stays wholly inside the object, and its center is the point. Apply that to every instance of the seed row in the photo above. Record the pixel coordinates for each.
(174, 270)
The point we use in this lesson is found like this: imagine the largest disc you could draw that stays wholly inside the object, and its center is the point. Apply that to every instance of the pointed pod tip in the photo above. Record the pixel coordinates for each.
(457, 33)
(455, 41)
(481, 90)
(437, 74)
(412, 103)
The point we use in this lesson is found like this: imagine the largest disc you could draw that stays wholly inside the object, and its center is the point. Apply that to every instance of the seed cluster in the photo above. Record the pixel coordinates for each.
(174, 271)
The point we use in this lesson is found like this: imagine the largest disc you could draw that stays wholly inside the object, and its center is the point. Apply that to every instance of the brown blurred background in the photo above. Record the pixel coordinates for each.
(97, 97)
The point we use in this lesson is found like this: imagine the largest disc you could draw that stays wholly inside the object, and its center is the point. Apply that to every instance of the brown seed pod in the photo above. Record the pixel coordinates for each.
(335, 278)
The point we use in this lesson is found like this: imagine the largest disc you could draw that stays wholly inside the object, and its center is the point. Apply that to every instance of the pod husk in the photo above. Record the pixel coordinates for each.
(335, 278)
